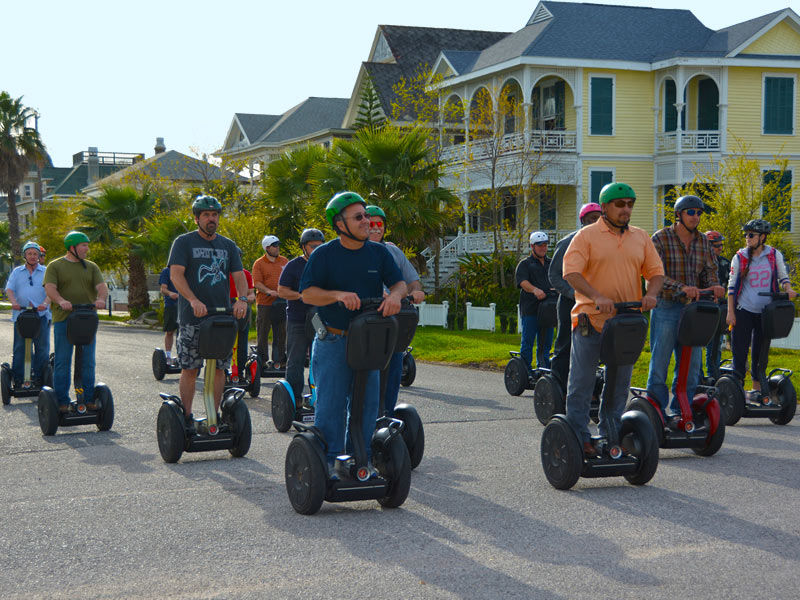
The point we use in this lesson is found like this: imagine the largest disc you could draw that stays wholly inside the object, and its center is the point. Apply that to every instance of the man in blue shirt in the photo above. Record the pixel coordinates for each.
(337, 276)
(24, 289)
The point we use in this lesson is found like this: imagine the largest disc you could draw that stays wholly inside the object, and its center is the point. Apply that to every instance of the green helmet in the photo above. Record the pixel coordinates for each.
(339, 202)
(376, 211)
(616, 190)
(30, 245)
(204, 202)
(73, 238)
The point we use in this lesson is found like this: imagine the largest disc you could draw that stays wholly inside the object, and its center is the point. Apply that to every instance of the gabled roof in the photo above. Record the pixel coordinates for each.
(78, 178)
(310, 116)
(254, 126)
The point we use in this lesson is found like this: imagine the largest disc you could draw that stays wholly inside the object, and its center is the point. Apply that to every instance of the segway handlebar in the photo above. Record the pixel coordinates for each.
(627, 307)
(775, 295)
(84, 307)
(373, 303)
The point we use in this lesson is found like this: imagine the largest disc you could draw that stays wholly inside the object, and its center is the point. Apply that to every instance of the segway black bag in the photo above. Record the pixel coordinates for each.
(82, 325)
(777, 319)
(216, 336)
(371, 341)
(622, 339)
(698, 323)
(547, 314)
(28, 324)
(407, 320)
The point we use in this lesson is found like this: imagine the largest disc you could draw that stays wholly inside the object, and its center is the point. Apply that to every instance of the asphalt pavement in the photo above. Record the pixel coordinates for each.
(90, 514)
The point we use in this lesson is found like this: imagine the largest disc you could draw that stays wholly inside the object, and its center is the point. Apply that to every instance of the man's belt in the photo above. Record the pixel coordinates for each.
(341, 332)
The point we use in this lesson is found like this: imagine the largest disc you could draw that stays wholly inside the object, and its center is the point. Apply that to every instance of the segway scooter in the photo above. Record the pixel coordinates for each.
(409, 368)
(82, 324)
(231, 430)
(161, 366)
(28, 325)
(779, 402)
(634, 455)
(248, 377)
(371, 341)
(517, 378)
(699, 425)
(285, 407)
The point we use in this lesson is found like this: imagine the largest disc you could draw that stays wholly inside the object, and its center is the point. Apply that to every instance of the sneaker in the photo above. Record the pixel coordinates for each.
(188, 421)
(754, 397)
(673, 422)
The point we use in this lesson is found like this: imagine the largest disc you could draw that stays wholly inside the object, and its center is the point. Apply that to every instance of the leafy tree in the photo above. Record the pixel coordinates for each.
(20, 146)
(116, 219)
(52, 222)
(370, 114)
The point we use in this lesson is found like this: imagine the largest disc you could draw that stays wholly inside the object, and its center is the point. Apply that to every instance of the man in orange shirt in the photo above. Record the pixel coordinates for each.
(271, 309)
(604, 264)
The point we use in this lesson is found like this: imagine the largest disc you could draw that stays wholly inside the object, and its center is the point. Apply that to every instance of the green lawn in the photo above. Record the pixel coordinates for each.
(490, 350)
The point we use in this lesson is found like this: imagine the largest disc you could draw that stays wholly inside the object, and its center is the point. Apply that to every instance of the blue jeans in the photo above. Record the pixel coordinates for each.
(663, 344)
(531, 331)
(41, 348)
(62, 367)
(334, 381)
(393, 377)
(584, 359)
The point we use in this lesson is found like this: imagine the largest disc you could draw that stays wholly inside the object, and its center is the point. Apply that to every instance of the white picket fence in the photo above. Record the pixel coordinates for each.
(792, 341)
(481, 317)
(433, 314)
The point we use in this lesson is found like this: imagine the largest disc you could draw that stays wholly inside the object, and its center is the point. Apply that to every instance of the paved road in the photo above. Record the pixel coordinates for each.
(99, 515)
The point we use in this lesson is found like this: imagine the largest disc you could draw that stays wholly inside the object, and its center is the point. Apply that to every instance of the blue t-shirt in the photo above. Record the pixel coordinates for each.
(208, 264)
(290, 278)
(164, 279)
(364, 271)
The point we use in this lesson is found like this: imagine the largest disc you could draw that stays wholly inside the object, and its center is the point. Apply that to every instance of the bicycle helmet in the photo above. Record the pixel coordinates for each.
(539, 237)
(30, 245)
(589, 208)
(204, 202)
(616, 190)
(715, 237)
(73, 238)
(757, 226)
(42, 251)
(685, 202)
(339, 202)
(269, 240)
(376, 211)
(311, 235)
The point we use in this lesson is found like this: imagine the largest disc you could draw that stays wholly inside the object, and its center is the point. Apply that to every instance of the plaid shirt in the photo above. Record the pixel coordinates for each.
(696, 268)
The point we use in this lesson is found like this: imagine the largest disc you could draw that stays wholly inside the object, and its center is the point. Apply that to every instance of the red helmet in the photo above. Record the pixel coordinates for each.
(714, 236)
(587, 208)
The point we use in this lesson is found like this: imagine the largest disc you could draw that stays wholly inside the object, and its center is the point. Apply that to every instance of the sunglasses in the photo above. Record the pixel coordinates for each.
(376, 224)
(694, 212)
(750, 234)
(623, 203)
(30, 280)
(358, 217)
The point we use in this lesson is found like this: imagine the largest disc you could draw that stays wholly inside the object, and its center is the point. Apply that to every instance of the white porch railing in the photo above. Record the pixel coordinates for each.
(433, 314)
(480, 317)
(697, 141)
(540, 141)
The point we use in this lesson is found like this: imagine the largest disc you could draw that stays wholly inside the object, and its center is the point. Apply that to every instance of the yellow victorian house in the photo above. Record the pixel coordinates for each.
(591, 93)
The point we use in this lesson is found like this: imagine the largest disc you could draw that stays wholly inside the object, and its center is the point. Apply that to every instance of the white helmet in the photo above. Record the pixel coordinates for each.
(268, 241)
(537, 237)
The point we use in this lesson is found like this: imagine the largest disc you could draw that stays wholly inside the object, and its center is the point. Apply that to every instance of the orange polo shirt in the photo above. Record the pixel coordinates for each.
(612, 264)
(267, 272)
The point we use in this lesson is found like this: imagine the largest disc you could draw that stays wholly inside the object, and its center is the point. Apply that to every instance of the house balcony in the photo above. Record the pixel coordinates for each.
(688, 141)
(541, 141)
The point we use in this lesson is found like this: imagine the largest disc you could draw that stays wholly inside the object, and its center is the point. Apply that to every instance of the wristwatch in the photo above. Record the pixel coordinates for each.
(242, 298)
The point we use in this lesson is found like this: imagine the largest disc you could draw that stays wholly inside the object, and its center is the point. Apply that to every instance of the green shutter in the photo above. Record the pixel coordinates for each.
(670, 113)
(708, 98)
(602, 106)
(778, 110)
(597, 180)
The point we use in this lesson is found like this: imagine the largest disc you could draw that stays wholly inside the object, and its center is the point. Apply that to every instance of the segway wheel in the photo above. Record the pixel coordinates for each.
(5, 384)
(255, 379)
(413, 432)
(547, 399)
(48, 411)
(641, 404)
(47, 377)
(409, 370)
(244, 430)
(516, 377)
(159, 364)
(731, 399)
(305, 476)
(171, 434)
(282, 406)
(400, 478)
(105, 418)
(562, 455)
(782, 388)
(639, 440)
(713, 441)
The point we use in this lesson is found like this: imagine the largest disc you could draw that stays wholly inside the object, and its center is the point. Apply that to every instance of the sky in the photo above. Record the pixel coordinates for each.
(116, 75)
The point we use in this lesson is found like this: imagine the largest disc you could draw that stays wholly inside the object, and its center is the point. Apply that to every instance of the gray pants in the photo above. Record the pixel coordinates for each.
(584, 359)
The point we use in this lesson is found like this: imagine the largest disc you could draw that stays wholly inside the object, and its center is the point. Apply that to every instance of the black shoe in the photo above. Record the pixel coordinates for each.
(188, 422)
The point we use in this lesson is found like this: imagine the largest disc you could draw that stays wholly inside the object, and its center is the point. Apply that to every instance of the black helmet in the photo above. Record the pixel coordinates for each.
(685, 202)
(204, 202)
(757, 226)
(311, 235)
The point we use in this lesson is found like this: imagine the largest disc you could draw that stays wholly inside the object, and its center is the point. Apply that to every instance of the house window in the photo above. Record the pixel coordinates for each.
(27, 192)
(601, 90)
(597, 179)
(707, 105)
(779, 105)
(670, 112)
(510, 125)
(548, 102)
(548, 210)
(508, 211)
(782, 221)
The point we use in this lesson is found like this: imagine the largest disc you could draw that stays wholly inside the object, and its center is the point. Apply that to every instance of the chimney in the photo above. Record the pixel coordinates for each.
(160, 147)
(94, 165)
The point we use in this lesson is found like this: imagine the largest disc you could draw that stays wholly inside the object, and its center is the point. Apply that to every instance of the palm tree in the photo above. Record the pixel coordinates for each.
(20, 146)
(116, 219)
